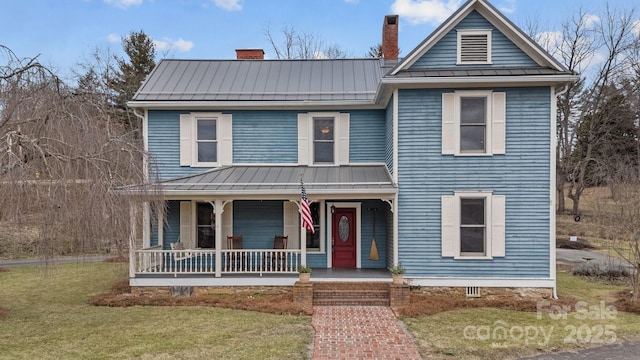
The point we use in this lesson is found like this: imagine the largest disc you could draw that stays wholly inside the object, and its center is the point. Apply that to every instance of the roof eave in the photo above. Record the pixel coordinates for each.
(253, 105)
(527, 80)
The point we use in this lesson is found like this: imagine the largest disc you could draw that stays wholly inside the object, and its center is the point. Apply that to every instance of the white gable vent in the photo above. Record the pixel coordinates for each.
(474, 46)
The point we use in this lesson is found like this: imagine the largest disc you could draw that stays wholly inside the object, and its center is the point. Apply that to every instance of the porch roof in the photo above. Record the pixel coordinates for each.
(280, 180)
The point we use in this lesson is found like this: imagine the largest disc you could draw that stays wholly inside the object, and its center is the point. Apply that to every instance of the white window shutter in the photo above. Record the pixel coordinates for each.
(225, 140)
(498, 205)
(342, 131)
(227, 223)
(448, 123)
(186, 139)
(304, 124)
(186, 225)
(498, 123)
(449, 226)
(291, 224)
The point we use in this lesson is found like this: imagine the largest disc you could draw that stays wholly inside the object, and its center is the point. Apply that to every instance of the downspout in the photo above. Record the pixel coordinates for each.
(552, 244)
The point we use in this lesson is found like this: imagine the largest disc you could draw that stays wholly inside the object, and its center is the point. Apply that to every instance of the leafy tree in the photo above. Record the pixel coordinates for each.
(131, 72)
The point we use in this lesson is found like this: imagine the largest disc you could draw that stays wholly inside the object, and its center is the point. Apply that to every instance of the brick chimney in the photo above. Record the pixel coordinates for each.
(249, 54)
(390, 37)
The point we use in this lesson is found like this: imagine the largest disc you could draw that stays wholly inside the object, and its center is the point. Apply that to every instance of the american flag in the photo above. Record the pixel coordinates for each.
(305, 211)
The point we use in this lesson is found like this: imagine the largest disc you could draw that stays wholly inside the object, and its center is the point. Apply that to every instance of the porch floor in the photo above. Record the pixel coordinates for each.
(318, 274)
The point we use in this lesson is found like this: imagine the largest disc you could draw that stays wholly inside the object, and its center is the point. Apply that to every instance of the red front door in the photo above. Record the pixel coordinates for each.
(343, 238)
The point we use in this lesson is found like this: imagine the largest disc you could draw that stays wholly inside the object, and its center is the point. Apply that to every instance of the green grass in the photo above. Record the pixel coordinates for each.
(443, 335)
(49, 318)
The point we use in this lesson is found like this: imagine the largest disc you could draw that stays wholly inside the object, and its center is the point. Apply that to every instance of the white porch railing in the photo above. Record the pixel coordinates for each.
(198, 261)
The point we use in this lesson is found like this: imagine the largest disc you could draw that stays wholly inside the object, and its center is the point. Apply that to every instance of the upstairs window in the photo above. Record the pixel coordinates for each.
(474, 47)
(323, 140)
(206, 141)
(474, 123)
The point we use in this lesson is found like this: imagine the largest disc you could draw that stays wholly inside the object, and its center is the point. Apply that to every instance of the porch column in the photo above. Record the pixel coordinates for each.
(132, 239)
(218, 208)
(146, 225)
(394, 208)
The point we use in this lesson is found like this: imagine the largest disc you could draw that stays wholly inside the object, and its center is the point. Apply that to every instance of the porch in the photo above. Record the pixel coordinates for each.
(206, 276)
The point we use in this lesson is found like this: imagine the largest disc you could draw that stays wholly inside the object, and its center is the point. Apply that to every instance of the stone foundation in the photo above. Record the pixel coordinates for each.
(491, 293)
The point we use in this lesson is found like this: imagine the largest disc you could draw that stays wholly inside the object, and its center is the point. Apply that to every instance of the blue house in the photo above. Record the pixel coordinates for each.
(442, 161)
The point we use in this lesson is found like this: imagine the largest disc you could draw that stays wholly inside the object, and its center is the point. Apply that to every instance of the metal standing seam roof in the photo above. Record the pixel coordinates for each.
(280, 180)
(263, 80)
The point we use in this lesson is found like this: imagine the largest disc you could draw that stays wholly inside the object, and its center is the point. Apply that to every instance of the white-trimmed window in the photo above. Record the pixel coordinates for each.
(323, 138)
(205, 139)
(473, 225)
(314, 242)
(474, 47)
(198, 224)
(473, 123)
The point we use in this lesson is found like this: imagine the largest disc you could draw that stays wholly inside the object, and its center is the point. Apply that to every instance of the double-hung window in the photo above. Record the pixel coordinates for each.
(323, 138)
(473, 225)
(205, 139)
(473, 123)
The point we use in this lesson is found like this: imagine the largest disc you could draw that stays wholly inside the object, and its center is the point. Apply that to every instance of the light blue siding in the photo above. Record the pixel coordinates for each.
(172, 224)
(522, 175)
(265, 137)
(261, 137)
(366, 236)
(504, 52)
(367, 136)
(258, 222)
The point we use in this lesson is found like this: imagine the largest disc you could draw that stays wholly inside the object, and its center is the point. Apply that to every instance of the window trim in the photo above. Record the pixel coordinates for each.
(189, 143)
(341, 147)
(487, 196)
(484, 226)
(333, 141)
(488, 128)
(495, 215)
(198, 226)
(460, 34)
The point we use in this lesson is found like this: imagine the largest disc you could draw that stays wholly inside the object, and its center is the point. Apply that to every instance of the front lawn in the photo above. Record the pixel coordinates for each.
(47, 316)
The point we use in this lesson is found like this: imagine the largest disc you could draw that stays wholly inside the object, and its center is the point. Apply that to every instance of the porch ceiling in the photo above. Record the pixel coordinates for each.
(280, 180)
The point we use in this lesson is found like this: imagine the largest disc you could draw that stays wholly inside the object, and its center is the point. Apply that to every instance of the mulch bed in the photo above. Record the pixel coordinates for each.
(420, 305)
(624, 302)
(3, 269)
(574, 245)
(280, 304)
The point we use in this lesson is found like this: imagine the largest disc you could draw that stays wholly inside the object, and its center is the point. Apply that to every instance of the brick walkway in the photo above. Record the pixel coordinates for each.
(359, 332)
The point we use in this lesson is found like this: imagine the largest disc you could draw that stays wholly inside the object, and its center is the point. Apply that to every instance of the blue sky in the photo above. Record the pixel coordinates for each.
(64, 33)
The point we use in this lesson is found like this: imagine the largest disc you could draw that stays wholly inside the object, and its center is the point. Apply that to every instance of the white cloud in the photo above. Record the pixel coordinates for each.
(123, 4)
(635, 29)
(590, 19)
(229, 5)
(509, 7)
(425, 11)
(167, 44)
(113, 38)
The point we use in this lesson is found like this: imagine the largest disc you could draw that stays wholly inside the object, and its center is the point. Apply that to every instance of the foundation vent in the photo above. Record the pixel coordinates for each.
(473, 291)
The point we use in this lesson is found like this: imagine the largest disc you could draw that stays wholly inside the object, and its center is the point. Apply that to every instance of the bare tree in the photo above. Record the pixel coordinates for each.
(614, 35)
(295, 45)
(620, 216)
(62, 155)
